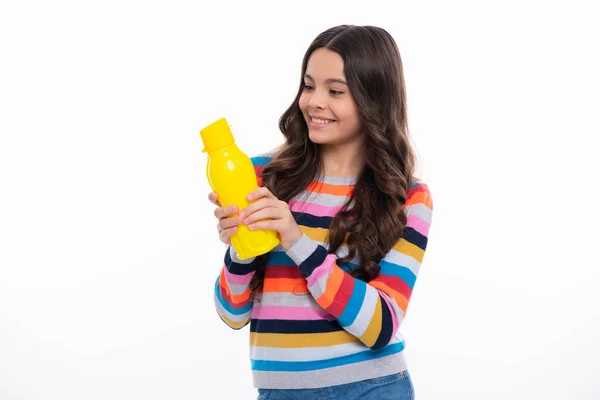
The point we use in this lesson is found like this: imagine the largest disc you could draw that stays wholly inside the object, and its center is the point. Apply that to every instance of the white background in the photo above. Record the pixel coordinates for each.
(108, 246)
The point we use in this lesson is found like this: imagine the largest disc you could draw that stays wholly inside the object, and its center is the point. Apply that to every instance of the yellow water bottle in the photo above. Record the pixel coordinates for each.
(232, 177)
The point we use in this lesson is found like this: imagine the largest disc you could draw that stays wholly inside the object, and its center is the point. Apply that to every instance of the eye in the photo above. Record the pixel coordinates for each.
(336, 92)
(307, 87)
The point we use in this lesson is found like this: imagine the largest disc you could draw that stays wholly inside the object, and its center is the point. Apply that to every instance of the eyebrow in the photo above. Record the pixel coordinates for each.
(330, 80)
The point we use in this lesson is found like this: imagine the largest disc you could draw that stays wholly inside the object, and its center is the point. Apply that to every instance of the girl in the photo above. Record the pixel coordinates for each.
(325, 306)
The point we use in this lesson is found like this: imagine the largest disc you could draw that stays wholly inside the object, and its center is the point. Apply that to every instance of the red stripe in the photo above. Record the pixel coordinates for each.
(395, 283)
(281, 271)
(259, 170)
(342, 297)
(421, 187)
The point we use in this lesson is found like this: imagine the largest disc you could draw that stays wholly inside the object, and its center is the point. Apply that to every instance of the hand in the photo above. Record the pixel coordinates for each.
(227, 225)
(267, 212)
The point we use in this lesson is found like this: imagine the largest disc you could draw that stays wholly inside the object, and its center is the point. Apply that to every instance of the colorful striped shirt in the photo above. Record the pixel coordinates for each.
(313, 324)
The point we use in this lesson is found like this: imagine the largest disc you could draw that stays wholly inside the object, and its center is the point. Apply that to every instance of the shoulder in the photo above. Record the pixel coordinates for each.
(419, 194)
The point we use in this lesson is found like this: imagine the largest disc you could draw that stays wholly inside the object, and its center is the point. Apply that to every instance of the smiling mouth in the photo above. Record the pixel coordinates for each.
(320, 121)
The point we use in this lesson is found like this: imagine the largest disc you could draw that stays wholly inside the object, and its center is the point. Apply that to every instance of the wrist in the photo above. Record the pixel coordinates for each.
(288, 244)
(301, 249)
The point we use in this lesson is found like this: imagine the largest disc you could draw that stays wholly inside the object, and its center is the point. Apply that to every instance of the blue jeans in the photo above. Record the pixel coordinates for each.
(391, 387)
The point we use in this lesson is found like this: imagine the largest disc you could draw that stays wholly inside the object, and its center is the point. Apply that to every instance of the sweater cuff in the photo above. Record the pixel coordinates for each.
(236, 266)
(307, 254)
(234, 257)
(302, 249)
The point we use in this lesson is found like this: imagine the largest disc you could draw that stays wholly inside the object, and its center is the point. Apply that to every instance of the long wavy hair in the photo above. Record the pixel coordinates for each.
(373, 218)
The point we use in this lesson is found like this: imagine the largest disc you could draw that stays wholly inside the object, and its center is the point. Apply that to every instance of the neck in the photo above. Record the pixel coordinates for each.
(342, 159)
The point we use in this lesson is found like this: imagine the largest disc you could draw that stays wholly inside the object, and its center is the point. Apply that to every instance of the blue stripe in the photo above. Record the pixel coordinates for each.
(354, 303)
(280, 258)
(294, 366)
(227, 306)
(260, 161)
(391, 269)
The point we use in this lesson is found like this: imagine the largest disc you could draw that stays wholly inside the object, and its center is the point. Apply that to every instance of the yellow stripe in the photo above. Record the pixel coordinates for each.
(405, 247)
(294, 340)
(318, 234)
(370, 336)
(234, 325)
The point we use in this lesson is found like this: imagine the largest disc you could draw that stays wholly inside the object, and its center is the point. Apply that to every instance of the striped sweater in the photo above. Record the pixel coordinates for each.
(313, 324)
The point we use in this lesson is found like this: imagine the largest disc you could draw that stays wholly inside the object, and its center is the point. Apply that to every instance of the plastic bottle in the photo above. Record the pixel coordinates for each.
(232, 177)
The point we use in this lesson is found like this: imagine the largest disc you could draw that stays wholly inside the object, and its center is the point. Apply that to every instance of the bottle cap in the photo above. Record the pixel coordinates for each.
(216, 135)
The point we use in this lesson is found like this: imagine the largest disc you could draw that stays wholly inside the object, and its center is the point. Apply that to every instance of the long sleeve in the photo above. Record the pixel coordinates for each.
(372, 311)
(232, 294)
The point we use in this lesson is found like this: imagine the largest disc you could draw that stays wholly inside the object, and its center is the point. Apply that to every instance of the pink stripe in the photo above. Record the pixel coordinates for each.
(290, 313)
(418, 224)
(394, 316)
(314, 209)
(321, 270)
(238, 279)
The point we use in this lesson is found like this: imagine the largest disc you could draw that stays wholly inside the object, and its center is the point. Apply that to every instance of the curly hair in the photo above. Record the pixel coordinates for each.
(373, 218)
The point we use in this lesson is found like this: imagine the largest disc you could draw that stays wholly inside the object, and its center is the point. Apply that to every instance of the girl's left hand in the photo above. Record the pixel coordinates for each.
(268, 212)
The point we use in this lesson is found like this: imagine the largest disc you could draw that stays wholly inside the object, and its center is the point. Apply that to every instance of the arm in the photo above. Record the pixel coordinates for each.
(232, 298)
(370, 311)
(232, 294)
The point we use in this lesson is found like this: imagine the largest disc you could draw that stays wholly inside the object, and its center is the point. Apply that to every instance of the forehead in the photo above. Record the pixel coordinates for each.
(325, 64)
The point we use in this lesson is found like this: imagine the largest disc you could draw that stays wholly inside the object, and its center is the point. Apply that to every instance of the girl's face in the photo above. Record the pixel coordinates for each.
(328, 107)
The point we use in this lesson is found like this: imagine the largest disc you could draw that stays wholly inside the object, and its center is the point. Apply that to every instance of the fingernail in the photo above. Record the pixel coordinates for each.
(251, 226)
(250, 196)
(243, 213)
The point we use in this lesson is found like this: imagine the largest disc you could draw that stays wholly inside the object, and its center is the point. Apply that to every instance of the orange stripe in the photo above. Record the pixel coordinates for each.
(333, 285)
(236, 298)
(241, 298)
(420, 197)
(326, 188)
(223, 282)
(399, 297)
(289, 285)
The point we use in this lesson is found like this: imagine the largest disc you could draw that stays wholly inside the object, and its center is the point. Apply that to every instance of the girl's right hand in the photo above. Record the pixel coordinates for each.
(227, 224)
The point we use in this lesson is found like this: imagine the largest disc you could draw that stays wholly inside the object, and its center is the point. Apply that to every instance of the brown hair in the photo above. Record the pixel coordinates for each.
(375, 78)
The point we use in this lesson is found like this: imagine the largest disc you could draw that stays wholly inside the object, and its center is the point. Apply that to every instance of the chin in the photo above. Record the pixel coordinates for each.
(318, 139)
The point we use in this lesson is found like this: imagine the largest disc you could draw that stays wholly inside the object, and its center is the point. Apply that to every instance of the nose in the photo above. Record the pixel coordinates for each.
(316, 100)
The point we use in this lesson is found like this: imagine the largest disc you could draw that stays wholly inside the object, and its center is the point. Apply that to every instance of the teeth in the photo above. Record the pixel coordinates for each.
(320, 121)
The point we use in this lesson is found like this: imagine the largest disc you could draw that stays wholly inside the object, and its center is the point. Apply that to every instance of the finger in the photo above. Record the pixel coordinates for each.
(265, 213)
(268, 224)
(259, 193)
(258, 205)
(226, 223)
(213, 198)
(222, 212)
(225, 234)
